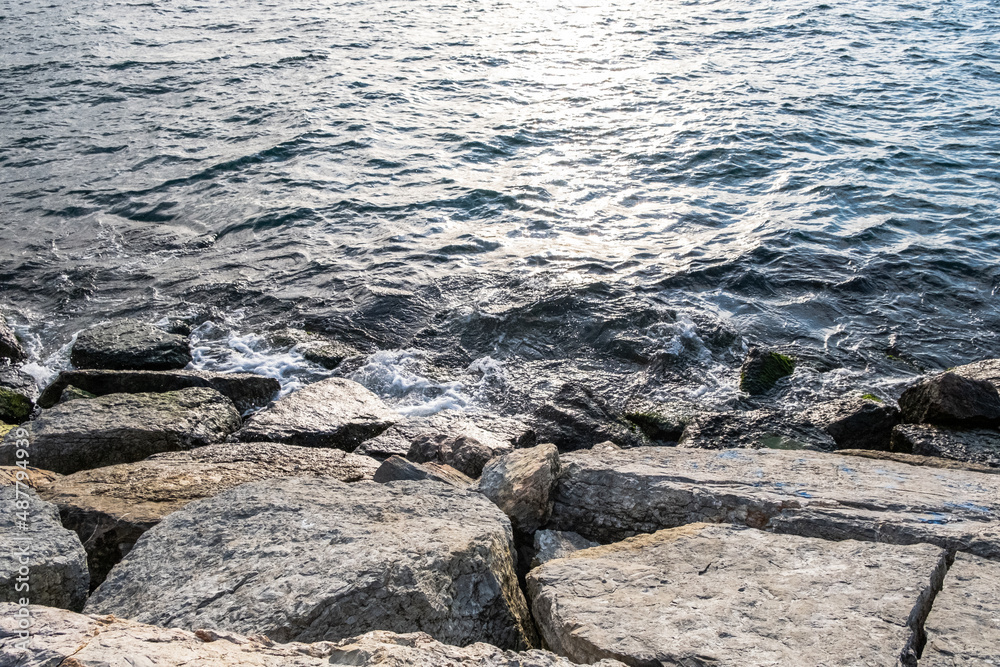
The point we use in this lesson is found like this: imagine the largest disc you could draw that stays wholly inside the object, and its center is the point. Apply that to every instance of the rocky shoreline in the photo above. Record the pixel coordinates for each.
(165, 516)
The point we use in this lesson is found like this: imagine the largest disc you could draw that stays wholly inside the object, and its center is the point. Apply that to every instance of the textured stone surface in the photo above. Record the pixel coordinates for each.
(987, 369)
(316, 559)
(762, 369)
(917, 460)
(963, 628)
(610, 495)
(56, 561)
(75, 640)
(520, 483)
(15, 407)
(10, 346)
(574, 418)
(111, 507)
(121, 428)
(552, 544)
(330, 413)
(856, 422)
(246, 390)
(29, 476)
(951, 400)
(130, 345)
(721, 595)
(398, 469)
(754, 429)
(974, 445)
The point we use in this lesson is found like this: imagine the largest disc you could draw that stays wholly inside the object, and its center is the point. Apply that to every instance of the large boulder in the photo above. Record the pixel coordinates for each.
(754, 429)
(949, 399)
(520, 483)
(10, 347)
(722, 595)
(963, 628)
(111, 507)
(40, 560)
(762, 369)
(246, 390)
(610, 495)
(330, 413)
(316, 559)
(121, 428)
(974, 445)
(856, 422)
(575, 418)
(130, 345)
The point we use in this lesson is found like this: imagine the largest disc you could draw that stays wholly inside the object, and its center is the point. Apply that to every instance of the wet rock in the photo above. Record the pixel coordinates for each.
(330, 413)
(917, 460)
(121, 428)
(856, 422)
(951, 400)
(721, 595)
(552, 544)
(130, 345)
(987, 370)
(397, 469)
(34, 478)
(314, 347)
(10, 347)
(71, 393)
(661, 423)
(762, 369)
(754, 429)
(111, 507)
(15, 407)
(55, 560)
(19, 381)
(316, 559)
(246, 390)
(520, 484)
(610, 495)
(963, 628)
(575, 418)
(974, 445)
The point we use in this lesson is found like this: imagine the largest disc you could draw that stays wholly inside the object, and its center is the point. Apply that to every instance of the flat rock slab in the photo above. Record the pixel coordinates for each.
(919, 460)
(111, 507)
(733, 597)
(974, 445)
(609, 495)
(246, 390)
(130, 345)
(316, 559)
(122, 428)
(963, 628)
(331, 413)
(56, 562)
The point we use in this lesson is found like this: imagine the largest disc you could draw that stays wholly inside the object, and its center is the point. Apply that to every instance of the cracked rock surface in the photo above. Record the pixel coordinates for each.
(963, 628)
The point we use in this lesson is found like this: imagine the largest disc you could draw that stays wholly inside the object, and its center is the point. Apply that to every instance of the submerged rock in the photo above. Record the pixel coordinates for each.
(111, 507)
(39, 553)
(520, 484)
(975, 445)
(552, 544)
(130, 345)
(856, 422)
(722, 595)
(575, 418)
(10, 347)
(397, 469)
(314, 347)
(754, 429)
(330, 413)
(316, 559)
(951, 400)
(762, 369)
(121, 428)
(963, 628)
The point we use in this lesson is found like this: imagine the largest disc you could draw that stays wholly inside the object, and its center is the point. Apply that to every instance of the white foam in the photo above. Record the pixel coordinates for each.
(399, 377)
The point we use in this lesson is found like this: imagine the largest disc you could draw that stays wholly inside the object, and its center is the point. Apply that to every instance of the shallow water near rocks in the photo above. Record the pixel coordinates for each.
(492, 198)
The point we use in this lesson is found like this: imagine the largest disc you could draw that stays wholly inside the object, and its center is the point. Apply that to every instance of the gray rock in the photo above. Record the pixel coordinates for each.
(856, 422)
(53, 556)
(722, 595)
(552, 544)
(398, 469)
(122, 428)
(520, 483)
(974, 445)
(328, 354)
(918, 460)
(987, 370)
(754, 429)
(15, 407)
(575, 418)
(951, 400)
(246, 390)
(130, 345)
(10, 346)
(610, 495)
(660, 422)
(963, 628)
(71, 393)
(316, 559)
(330, 413)
(111, 507)
(391, 442)
(762, 369)
(19, 381)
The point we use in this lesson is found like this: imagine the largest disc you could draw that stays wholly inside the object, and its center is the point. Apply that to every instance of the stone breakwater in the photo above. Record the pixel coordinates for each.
(167, 516)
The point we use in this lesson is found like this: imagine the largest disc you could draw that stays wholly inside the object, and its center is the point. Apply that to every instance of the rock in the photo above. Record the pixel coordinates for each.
(397, 469)
(130, 345)
(19, 381)
(111, 507)
(762, 369)
(14, 406)
(610, 495)
(987, 370)
(121, 428)
(951, 400)
(316, 559)
(963, 628)
(660, 423)
(754, 429)
(75, 640)
(246, 390)
(331, 413)
(34, 478)
(974, 445)
(577, 419)
(391, 442)
(10, 347)
(552, 544)
(328, 354)
(71, 393)
(856, 422)
(520, 484)
(722, 595)
(55, 562)
(5, 429)
(916, 460)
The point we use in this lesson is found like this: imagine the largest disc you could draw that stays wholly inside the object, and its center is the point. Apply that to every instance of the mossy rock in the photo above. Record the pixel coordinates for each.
(14, 407)
(664, 425)
(762, 369)
(71, 393)
(872, 397)
(5, 429)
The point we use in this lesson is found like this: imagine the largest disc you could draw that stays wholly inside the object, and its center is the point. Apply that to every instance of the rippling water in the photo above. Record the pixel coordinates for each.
(504, 195)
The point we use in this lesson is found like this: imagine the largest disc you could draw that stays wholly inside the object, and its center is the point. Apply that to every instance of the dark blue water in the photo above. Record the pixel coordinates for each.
(504, 195)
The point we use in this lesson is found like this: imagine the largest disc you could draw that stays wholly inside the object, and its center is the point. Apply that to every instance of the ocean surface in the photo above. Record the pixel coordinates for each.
(493, 198)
